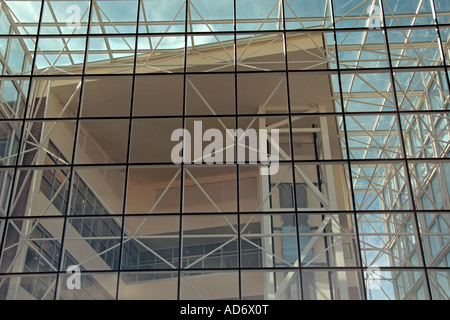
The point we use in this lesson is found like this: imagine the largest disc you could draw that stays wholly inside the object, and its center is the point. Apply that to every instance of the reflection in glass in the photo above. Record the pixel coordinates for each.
(196, 285)
(158, 285)
(389, 240)
(93, 242)
(270, 285)
(395, 285)
(332, 285)
(93, 286)
(151, 243)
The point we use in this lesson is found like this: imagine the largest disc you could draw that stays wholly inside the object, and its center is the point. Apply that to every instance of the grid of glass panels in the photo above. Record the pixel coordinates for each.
(91, 92)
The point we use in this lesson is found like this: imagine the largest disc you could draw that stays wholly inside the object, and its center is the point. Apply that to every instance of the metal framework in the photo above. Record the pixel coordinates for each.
(378, 209)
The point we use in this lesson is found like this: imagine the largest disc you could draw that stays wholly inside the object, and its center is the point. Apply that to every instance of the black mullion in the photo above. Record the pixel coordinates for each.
(352, 192)
(127, 34)
(343, 71)
(74, 151)
(127, 166)
(182, 168)
(318, 268)
(292, 162)
(243, 213)
(405, 161)
(238, 208)
(243, 115)
(21, 138)
(310, 162)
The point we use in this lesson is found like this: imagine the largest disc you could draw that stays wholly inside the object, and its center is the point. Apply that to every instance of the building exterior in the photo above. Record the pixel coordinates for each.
(356, 93)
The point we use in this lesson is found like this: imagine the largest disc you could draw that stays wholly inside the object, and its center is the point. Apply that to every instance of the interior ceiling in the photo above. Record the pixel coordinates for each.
(206, 94)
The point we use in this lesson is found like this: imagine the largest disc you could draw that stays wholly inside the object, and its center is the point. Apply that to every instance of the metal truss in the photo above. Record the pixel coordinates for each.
(376, 185)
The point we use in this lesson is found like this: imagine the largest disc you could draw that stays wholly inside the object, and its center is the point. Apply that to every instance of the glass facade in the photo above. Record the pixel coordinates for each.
(92, 91)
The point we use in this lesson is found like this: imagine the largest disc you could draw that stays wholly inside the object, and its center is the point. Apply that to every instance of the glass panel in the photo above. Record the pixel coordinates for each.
(259, 192)
(426, 136)
(211, 53)
(151, 139)
(158, 95)
(65, 17)
(102, 141)
(260, 52)
(207, 16)
(332, 285)
(9, 142)
(25, 15)
(210, 94)
(318, 137)
(435, 235)
(28, 287)
(415, 47)
(311, 92)
(365, 49)
(160, 54)
(97, 191)
(18, 54)
(442, 8)
(355, 14)
(107, 55)
(270, 285)
(13, 95)
(389, 240)
(154, 189)
(322, 187)
(41, 192)
(262, 93)
(271, 132)
(308, 51)
(54, 97)
(209, 140)
(209, 285)
(395, 285)
(303, 14)
(380, 186)
(327, 240)
(264, 15)
(209, 188)
(114, 16)
(6, 177)
(32, 245)
(373, 137)
(60, 55)
(268, 241)
(422, 90)
(151, 243)
(93, 286)
(429, 184)
(440, 285)
(209, 241)
(401, 13)
(445, 37)
(162, 17)
(148, 286)
(107, 96)
(40, 138)
(93, 242)
(367, 92)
